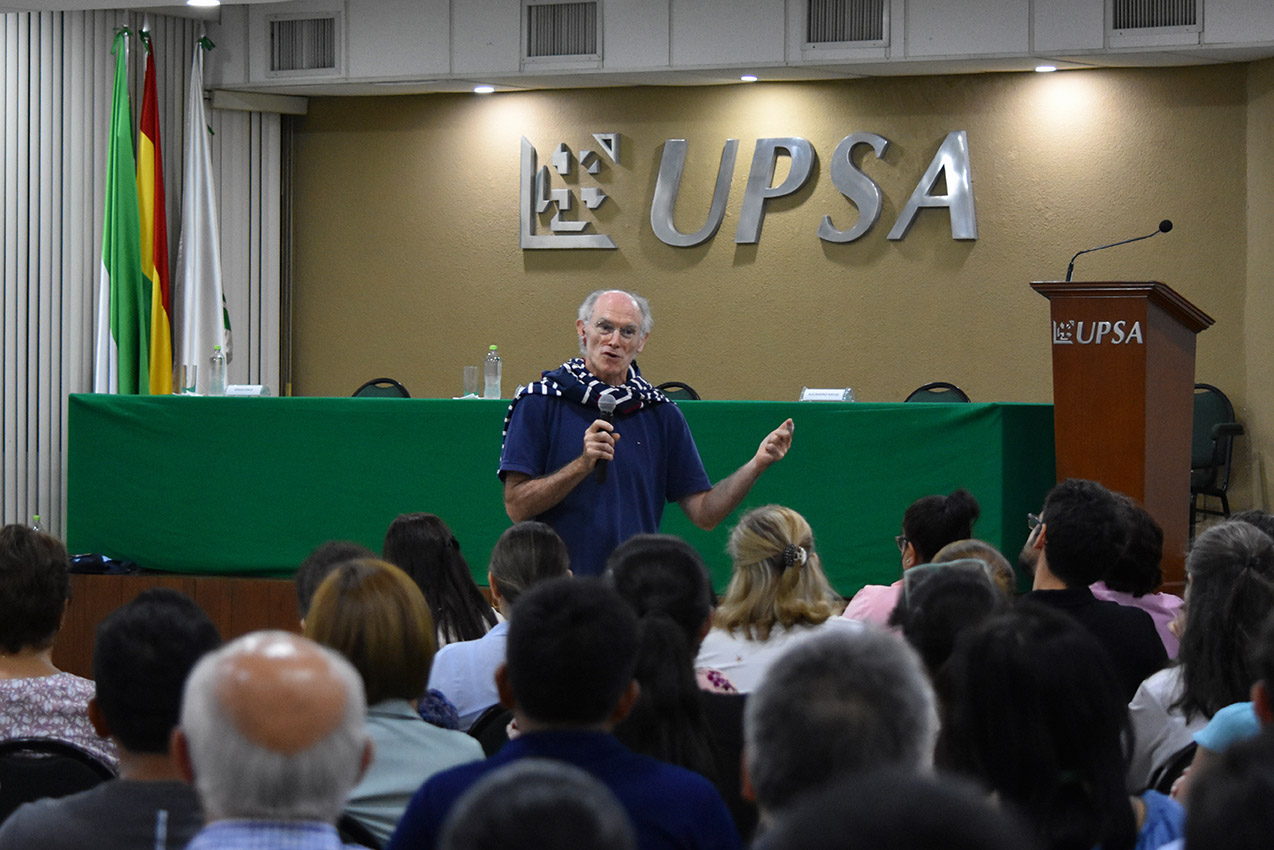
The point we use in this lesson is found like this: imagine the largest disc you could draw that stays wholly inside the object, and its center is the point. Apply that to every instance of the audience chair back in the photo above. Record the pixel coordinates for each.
(382, 388)
(940, 392)
(35, 768)
(678, 391)
(1211, 449)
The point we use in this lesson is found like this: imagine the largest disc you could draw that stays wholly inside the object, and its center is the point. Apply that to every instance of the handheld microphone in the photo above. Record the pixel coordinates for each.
(1164, 227)
(606, 412)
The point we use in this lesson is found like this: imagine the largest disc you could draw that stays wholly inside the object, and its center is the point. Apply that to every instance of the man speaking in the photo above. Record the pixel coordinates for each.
(564, 461)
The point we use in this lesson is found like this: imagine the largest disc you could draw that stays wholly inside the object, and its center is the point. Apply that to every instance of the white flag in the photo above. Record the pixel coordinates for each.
(201, 321)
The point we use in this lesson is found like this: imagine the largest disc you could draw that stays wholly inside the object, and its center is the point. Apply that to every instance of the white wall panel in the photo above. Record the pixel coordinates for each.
(728, 32)
(486, 36)
(636, 34)
(971, 27)
(1063, 25)
(1238, 21)
(394, 38)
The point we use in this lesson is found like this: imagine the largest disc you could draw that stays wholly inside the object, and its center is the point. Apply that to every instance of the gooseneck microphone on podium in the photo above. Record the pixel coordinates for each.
(606, 412)
(1164, 227)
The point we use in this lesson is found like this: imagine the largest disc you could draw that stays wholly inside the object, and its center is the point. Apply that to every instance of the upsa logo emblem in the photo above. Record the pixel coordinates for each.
(1072, 332)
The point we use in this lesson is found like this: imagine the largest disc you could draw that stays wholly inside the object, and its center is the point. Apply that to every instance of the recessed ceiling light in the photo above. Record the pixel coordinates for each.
(203, 2)
(483, 89)
(1045, 69)
(748, 78)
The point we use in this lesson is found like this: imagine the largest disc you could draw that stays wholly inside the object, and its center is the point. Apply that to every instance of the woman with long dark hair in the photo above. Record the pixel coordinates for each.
(422, 546)
(1035, 711)
(679, 716)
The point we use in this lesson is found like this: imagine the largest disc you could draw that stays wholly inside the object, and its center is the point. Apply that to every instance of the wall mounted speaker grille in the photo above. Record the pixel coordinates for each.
(561, 29)
(838, 21)
(1154, 14)
(303, 44)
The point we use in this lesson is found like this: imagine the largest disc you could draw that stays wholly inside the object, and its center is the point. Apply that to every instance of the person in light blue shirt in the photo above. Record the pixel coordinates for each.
(374, 614)
(464, 672)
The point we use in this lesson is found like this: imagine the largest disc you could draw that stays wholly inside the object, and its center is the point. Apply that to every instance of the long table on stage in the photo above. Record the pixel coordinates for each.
(248, 486)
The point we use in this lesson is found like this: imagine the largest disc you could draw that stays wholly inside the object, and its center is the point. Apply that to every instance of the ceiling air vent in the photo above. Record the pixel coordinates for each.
(561, 30)
(845, 22)
(1141, 15)
(303, 45)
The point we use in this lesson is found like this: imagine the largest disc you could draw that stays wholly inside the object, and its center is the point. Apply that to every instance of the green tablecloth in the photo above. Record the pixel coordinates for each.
(248, 486)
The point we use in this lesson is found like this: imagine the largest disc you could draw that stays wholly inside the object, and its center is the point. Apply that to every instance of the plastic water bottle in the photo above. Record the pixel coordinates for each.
(217, 375)
(36, 525)
(491, 372)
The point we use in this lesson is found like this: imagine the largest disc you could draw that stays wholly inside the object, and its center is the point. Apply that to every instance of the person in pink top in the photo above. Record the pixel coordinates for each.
(1136, 575)
(927, 525)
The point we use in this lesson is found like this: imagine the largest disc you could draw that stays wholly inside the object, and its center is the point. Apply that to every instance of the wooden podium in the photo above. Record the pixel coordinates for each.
(1123, 387)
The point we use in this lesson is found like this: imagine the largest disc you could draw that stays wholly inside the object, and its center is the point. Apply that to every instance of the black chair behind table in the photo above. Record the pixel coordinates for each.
(382, 388)
(35, 768)
(678, 391)
(939, 392)
(1211, 450)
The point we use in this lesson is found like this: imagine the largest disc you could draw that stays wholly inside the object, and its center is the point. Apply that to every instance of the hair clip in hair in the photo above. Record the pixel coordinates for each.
(794, 556)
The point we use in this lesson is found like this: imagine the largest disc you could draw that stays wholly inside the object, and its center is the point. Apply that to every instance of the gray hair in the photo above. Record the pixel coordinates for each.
(838, 703)
(586, 309)
(238, 779)
(538, 804)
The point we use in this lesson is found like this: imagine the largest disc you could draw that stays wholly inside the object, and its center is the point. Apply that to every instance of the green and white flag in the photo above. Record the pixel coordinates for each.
(122, 350)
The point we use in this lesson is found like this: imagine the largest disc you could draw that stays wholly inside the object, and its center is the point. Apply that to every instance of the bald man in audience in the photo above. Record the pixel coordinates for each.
(272, 736)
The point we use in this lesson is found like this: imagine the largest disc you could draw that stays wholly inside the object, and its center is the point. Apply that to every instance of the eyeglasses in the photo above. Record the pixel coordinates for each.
(901, 540)
(605, 328)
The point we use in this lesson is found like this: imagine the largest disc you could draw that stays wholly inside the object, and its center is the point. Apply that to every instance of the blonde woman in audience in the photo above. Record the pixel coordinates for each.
(37, 700)
(778, 596)
(372, 613)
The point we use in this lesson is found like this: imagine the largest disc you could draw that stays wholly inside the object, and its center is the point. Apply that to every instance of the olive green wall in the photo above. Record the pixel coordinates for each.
(407, 260)
(1256, 410)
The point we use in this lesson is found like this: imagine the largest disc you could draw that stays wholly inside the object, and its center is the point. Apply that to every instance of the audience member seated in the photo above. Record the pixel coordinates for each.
(318, 564)
(1035, 711)
(143, 653)
(464, 672)
(838, 704)
(538, 804)
(940, 602)
(37, 700)
(1229, 591)
(1077, 541)
(899, 810)
(374, 615)
(1238, 721)
(424, 548)
(1230, 804)
(272, 736)
(568, 678)
(998, 566)
(928, 524)
(676, 719)
(433, 707)
(778, 596)
(1136, 576)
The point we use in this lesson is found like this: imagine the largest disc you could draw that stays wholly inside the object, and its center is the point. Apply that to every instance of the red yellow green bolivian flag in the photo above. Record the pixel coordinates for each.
(154, 232)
